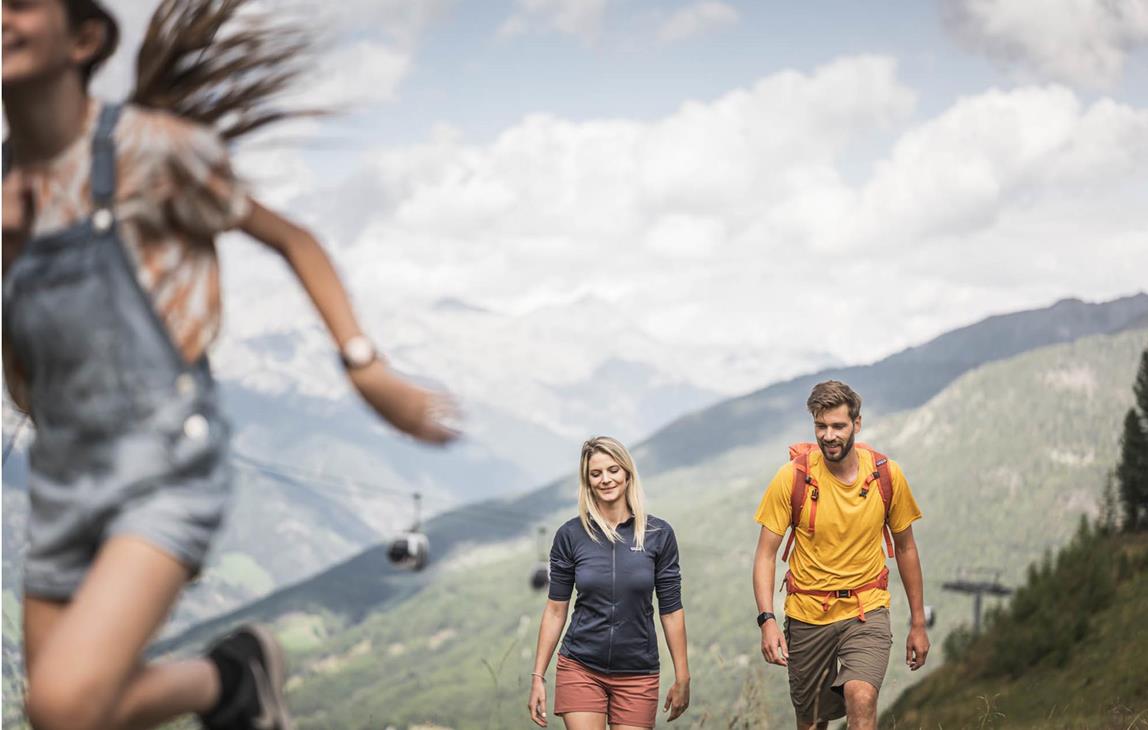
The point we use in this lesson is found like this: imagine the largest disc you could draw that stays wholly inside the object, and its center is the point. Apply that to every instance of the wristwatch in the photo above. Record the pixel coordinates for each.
(358, 352)
(765, 616)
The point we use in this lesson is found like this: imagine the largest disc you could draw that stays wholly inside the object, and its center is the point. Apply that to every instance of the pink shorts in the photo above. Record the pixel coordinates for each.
(625, 699)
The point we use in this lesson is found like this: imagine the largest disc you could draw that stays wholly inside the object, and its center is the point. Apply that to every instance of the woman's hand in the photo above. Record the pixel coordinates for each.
(537, 703)
(413, 410)
(677, 699)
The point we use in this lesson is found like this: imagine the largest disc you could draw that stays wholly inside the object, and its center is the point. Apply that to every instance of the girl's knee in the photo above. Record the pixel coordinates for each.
(62, 700)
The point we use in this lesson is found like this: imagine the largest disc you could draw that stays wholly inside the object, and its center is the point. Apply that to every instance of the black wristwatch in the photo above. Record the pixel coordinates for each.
(763, 617)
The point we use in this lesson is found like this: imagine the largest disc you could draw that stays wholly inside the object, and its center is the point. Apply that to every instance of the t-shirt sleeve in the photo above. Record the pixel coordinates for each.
(904, 510)
(205, 196)
(667, 573)
(773, 512)
(561, 566)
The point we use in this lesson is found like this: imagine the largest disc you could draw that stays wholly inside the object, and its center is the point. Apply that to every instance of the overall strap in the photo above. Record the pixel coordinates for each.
(103, 180)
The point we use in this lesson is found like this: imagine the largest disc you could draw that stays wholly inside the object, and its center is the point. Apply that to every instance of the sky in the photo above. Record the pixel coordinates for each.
(519, 192)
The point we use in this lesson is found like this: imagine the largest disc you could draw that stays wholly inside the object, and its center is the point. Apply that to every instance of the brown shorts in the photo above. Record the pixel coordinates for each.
(816, 682)
(625, 699)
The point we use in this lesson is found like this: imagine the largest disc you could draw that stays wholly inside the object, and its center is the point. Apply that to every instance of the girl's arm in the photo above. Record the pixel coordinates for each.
(553, 621)
(18, 213)
(407, 407)
(678, 698)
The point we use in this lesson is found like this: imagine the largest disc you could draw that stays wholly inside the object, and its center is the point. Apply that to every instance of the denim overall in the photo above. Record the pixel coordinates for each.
(129, 437)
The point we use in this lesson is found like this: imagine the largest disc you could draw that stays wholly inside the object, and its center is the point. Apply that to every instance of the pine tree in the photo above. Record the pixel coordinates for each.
(1140, 388)
(1109, 517)
(1132, 473)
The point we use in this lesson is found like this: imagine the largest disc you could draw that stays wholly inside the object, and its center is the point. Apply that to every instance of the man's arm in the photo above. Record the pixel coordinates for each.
(773, 646)
(909, 566)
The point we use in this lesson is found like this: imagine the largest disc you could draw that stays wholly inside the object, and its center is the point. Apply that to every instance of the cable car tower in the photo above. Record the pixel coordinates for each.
(978, 582)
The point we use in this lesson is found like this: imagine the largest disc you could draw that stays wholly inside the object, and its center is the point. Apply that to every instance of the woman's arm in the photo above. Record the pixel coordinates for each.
(410, 409)
(553, 621)
(678, 698)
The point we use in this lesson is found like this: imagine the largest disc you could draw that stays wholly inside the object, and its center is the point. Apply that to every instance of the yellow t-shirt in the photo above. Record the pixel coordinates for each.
(847, 549)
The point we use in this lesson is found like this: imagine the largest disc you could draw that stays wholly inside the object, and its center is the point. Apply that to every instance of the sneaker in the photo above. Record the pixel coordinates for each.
(255, 700)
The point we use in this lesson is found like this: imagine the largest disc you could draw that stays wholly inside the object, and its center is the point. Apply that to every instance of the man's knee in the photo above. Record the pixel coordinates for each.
(63, 700)
(860, 696)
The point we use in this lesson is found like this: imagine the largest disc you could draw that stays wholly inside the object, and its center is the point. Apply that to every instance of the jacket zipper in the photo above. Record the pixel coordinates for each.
(613, 601)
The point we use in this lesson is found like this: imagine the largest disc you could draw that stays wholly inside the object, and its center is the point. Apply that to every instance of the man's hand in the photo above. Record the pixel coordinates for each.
(916, 648)
(773, 646)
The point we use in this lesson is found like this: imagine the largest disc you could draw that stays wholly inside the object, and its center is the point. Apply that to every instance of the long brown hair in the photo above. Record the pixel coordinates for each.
(222, 63)
(219, 62)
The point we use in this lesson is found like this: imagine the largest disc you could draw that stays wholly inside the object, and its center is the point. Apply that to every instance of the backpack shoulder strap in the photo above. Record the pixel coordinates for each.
(884, 478)
(802, 481)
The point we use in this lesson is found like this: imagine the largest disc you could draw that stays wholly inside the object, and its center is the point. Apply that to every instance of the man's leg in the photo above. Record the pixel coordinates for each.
(861, 705)
(864, 657)
(812, 671)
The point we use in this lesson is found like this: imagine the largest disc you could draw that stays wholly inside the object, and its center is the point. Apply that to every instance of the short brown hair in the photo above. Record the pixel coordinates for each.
(831, 394)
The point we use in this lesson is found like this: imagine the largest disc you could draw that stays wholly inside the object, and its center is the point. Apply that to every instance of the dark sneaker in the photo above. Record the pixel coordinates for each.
(254, 701)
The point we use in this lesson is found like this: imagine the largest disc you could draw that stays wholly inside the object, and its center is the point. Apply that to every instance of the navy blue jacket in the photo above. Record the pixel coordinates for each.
(612, 629)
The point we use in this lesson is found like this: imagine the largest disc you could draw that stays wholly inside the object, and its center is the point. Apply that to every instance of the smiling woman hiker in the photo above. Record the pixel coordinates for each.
(618, 557)
(111, 300)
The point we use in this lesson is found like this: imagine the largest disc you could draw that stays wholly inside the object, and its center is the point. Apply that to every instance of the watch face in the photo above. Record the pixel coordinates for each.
(358, 351)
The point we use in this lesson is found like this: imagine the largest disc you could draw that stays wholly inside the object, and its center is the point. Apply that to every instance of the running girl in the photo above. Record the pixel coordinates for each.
(111, 300)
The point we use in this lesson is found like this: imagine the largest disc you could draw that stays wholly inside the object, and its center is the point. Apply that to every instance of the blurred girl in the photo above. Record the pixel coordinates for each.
(111, 300)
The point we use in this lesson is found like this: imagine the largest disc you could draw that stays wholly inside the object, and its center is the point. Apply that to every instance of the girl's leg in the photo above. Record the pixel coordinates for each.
(85, 673)
(162, 690)
(40, 618)
(584, 720)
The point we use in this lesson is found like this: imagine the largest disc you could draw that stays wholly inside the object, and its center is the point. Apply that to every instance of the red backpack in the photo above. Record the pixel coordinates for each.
(803, 482)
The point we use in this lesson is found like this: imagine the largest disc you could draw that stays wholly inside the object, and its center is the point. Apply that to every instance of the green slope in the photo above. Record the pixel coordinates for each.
(1003, 462)
(365, 583)
(1095, 681)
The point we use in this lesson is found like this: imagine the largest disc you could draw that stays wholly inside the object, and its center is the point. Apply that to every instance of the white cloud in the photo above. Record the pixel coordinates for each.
(581, 18)
(1082, 42)
(722, 244)
(362, 72)
(696, 19)
(957, 173)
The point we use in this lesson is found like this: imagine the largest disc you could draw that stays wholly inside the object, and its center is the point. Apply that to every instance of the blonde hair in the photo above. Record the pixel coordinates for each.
(635, 497)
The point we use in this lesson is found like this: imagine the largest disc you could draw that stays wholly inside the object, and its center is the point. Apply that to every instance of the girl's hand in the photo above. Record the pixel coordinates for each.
(677, 699)
(413, 410)
(19, 210)
(537, 702)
